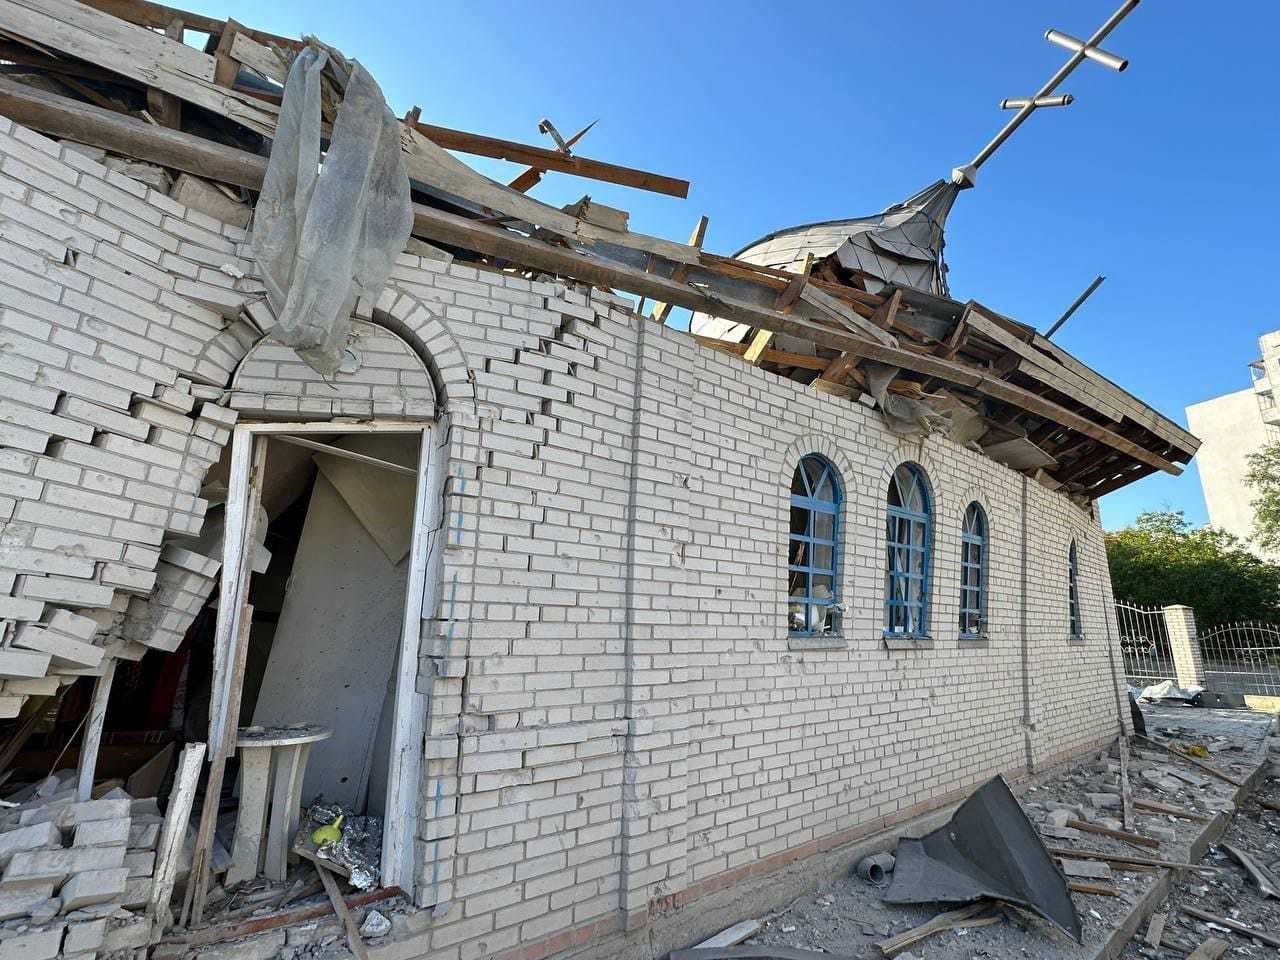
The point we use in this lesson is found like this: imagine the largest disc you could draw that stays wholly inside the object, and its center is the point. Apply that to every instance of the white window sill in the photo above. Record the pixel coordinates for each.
(898, 641)
(1078, 640)
(978, 641)
(815, 641)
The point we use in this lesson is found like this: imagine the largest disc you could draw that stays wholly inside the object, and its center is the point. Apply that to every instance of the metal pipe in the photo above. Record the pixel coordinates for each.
(1097, 282)
(874, 868)
(1097, 54)
(1015, 103)
(1063, 72)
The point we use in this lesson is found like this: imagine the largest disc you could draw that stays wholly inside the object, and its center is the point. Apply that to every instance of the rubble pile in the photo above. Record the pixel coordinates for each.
(76, 874)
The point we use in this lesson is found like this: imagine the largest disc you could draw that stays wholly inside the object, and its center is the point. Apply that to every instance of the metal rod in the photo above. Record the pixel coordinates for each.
(346, 454)
(1015, 103)
(1063, 72)
(1097, 282)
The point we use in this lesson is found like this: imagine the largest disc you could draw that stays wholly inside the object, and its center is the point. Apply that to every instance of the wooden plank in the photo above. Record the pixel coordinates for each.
(1210, 949)
(1134, 408)
(258, 57)
(485, 238)
(354, 940)
(93, 730)
(1136, 839)
(546, 159)
(1267, 938)
(287, 767)
(1126, 788)
(432, 164)
(67, 118)
(166, 108)
(1115, 858)
(1260, 876)
(1037, 365)
(1156, 807)
(143, 55)
(1156, 929)
(156, 15)
(225, 68)
(408, 706)
(731, 936)
(967, 916)
(1213, 771)
(783, 358)
(755, 352)
(172, 836)
(662, 310)
(1097, 889)
(345, 454)
(533, 175)
(221, 932)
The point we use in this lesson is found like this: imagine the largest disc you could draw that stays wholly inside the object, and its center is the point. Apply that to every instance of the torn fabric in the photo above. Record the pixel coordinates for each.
(327, 233)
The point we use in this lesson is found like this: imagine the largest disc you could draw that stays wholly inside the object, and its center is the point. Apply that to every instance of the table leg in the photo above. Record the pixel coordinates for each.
(285, 791)
(255, 776)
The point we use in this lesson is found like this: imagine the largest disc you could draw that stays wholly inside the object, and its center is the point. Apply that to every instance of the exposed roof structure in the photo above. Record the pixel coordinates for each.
(865, 317)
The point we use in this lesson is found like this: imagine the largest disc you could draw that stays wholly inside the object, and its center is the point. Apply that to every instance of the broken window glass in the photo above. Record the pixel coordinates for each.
(907, 546)
(973, 572)
(813, 605)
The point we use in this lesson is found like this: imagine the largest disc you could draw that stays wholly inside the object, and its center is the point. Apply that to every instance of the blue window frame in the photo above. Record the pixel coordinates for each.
(1073, 592)
(908, 537)
(973, 572)
(813, 549)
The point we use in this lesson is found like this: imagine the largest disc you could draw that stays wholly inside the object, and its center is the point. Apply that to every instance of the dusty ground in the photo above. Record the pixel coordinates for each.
(1256, 831)
(847, 917)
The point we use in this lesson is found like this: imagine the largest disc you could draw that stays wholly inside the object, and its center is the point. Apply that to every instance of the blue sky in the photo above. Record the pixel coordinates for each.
(1162, 177)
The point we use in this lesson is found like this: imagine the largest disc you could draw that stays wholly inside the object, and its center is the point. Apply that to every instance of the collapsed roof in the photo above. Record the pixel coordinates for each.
(856, 308)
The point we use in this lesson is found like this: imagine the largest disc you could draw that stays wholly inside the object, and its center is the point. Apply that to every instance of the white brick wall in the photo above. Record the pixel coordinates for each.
(617, 715)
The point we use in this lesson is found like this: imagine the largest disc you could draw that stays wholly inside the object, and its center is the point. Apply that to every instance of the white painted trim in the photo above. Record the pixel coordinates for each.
(234, 537)
(410, 714)
(410, 708)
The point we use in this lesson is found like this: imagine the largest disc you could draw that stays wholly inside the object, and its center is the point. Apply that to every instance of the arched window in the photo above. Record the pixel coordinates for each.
(908, 541)
(973, 572)
(813, 550)
(1073, 592)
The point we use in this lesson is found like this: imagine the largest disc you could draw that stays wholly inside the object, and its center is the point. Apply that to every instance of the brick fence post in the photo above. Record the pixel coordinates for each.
(1185, 644)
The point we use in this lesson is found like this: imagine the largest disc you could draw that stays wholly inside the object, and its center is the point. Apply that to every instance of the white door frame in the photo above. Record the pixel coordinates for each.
(410, 710)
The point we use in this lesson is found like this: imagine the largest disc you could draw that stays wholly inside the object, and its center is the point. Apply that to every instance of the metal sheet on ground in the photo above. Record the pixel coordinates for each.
(988, 849)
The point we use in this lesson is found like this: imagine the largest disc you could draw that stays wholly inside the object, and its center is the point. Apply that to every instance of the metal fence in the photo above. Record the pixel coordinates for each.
(1242, 657)
(1144, 644)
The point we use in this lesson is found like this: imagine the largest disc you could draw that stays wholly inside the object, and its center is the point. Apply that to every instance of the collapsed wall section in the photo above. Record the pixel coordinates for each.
(109, 292)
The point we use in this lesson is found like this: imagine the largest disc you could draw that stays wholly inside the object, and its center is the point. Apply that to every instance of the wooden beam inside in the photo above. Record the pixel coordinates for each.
(662, 309)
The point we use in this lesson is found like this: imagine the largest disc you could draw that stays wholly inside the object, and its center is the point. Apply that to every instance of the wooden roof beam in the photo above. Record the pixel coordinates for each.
(494, 241)
(545, 159)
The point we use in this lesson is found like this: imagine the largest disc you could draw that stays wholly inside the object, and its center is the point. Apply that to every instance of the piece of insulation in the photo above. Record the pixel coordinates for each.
(327, 233)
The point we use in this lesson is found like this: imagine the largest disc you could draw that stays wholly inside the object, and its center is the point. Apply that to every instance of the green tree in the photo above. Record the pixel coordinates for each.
(1163, 560)
(1264, 478)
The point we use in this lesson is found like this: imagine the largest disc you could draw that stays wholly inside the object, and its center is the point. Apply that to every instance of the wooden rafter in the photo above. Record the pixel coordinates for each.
(662, 309)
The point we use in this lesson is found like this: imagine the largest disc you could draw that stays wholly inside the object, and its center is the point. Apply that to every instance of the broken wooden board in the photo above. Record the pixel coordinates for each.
(979, 914)
(1233, 925)
(732, 935)
(1264, 881)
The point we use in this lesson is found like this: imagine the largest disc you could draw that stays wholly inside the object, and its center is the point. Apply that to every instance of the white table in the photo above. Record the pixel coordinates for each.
(273, 761)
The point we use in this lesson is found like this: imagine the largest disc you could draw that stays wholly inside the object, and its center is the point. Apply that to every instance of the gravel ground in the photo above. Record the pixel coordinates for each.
(846, 917)
(1256, 831)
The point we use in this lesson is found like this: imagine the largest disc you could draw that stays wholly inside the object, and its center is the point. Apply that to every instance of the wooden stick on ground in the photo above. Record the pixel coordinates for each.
(1214, 771)
(354, 940)
(1264, 881)
(1230, 924)
(1156, 807)
(974, 915)
(1114, 858)
(1133, 838)
(1126, 789)
(1097, 889)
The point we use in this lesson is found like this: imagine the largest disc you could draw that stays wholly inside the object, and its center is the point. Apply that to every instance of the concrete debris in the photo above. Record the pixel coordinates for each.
(64, 890)
(375, 925)
(202, 195)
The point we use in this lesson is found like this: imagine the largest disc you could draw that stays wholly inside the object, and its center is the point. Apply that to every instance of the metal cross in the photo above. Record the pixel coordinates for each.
(967, 175)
